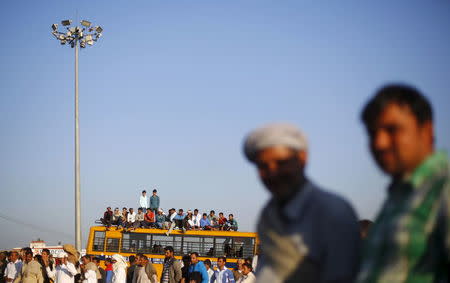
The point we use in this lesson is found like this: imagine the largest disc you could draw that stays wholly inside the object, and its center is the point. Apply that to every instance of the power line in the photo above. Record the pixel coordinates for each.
(35, 227)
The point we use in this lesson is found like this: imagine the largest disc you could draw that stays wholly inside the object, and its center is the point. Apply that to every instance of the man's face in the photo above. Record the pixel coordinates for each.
(245, 270)
(398, 142)
(195, 212)
(14, 256)
(220, 263)
(131, 210)
(180, 212)
(281, 170)
(45, 255)
(194, 259)
(230, 217)
(168, 254)
(84, 260)
(28, 257)
(144, 194)
(204, 216)
(154, 193)
(221, 215)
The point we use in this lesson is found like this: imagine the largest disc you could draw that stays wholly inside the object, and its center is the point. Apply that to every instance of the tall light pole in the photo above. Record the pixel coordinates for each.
(77, 36)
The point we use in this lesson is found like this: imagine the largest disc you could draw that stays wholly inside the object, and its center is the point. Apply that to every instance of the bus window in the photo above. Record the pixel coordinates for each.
(204, 246)
(99, 241)
(112, 245)
(222, 247)
(161, 241)
(136, 243)
(243, 247)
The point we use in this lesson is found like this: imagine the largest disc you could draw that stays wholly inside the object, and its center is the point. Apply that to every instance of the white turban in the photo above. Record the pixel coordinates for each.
(120, 262)
(283, 134)
(61, 255)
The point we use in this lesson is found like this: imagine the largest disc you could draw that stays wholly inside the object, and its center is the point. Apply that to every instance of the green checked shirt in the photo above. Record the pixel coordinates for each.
(410, 240)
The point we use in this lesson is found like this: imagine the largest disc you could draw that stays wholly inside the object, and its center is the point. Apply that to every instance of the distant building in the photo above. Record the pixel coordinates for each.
(39, 245)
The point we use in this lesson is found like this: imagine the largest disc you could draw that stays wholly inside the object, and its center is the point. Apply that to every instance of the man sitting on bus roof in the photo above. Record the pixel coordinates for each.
(160, 219)
(107, 217)
(204, 222)
(149, 219)
(139, 219)
(231, 223)
(196, 219)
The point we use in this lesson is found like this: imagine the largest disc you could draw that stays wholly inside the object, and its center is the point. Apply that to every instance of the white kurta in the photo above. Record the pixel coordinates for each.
(119, 275)
(65, 273)
(13, 269)
(90, 277)
(51, 273)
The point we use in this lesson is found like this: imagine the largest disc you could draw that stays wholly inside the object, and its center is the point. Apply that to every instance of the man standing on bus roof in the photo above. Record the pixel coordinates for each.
(154, 202)
(410, 239)
(305, 232)
(143, 201)
(171, 268)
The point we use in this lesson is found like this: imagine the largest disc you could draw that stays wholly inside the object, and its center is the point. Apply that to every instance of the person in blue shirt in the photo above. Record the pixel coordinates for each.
(198, 266)
(154, 202)
(204, 222)
(222, 274)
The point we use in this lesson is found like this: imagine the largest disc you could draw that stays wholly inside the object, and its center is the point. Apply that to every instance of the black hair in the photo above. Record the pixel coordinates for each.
(207, 262)
(195, 210)
(46, 250)
(212, 211)
(399, 94)
(155, 191)
(97, 259)
(131, 258)
(231, 214)
(169, 248)
(195, 253)
(195, 276)
(29, 253)
(144, 191)
(222, 258)
(248, 265)
(186, 258)
(204, 214)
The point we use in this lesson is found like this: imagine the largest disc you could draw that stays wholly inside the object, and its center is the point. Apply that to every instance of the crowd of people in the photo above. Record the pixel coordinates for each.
(152, 216)
(68, 267)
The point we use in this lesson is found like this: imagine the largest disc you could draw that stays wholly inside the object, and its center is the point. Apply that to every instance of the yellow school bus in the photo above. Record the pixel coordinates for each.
(151, 242)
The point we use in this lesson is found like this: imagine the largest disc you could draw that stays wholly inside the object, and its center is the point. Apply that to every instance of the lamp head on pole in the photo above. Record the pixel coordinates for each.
(86, 34)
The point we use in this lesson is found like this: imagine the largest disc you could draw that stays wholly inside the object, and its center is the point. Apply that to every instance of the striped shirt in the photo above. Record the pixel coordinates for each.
(410, 240)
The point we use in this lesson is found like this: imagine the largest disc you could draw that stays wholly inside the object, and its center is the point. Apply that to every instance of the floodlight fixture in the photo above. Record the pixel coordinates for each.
(85, 23)
(66, 22)
(55, 27)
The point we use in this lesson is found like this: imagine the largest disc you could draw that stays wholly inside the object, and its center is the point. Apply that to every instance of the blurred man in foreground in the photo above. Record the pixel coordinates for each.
(410, 240)
(305, 232)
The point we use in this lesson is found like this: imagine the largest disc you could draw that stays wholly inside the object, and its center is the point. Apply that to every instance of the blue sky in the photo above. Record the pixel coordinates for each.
(171, 89)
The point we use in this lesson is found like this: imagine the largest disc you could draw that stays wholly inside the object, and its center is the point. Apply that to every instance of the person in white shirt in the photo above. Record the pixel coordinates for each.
(247, 274)
(119, 269)
(88, 273)
(131, 218)
(65, 270)
(196, 220)
(209, 269)
(143, 201)
(222, 274)
(14, 267)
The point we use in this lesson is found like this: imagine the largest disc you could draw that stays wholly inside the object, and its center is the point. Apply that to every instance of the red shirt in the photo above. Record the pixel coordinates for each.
(149, 216)
(222, 221)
